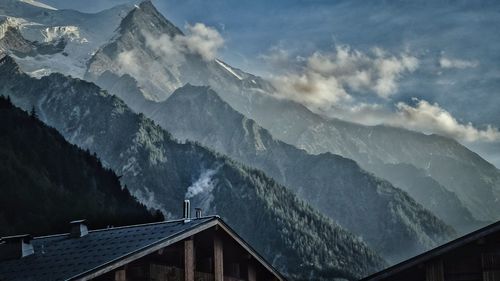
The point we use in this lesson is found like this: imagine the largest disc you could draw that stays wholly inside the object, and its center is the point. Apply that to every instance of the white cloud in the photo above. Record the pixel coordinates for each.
(330, 83)
(427, 117)
(421, 117)
(166, 48)
(202, 40)
(278, 58)
(445, 62)
(325, 79)
(128, 62)
(199, 40)
(311, 88)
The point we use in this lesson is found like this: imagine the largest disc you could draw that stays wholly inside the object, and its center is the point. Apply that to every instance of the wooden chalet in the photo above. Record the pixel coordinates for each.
(200, 248)
(473, 257)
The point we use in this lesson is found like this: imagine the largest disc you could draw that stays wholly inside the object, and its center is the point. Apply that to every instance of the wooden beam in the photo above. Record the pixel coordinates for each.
(490, 264)
(189, 260)
(252, 275)
(218, 259)
(434, 271)
(249, 250)
(121, 275)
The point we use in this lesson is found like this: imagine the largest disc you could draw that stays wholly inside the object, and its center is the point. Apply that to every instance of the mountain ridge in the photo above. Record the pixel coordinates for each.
(158, 168)
(197, 113)
(47, 182)
(296, 125)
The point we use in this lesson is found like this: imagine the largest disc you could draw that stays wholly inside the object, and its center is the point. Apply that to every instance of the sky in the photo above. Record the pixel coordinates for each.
(429, 65)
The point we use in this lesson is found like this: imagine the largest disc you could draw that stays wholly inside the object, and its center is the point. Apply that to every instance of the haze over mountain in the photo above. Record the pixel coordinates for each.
(330, 183)
(113, 65)
(294, 123)
(161, 172)
(456, 70)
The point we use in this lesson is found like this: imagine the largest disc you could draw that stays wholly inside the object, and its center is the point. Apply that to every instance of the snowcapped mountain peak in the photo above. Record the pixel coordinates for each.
(38, 4)
(145, 17)
(73, 33)
(6, 23)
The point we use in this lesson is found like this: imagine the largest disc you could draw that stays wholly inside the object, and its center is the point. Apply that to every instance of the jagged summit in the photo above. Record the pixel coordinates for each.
(145, 17)
(14, 42)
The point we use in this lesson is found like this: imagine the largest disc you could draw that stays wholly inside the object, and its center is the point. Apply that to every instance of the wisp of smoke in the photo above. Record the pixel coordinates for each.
(203, 184)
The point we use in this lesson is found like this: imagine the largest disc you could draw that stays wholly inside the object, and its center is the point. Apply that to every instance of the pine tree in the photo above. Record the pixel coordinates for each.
(33, 113)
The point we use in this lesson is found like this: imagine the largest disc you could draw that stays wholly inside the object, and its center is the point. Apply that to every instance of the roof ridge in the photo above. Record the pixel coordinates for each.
(129, 226)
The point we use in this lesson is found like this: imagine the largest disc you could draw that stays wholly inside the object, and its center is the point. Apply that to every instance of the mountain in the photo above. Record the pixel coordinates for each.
(134, 54)
(452, 168)
(471, 182)
(46, 182)
(460, 171)
(76, 35)
(385, 217)
(162, 172)
(13, 41)
(137, 51)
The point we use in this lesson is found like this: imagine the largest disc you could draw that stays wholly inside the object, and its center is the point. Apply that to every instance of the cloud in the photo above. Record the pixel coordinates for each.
(422, 116)
(427, 117)
(311, 88)
(128, 62)
(337, 84)
(445, 62)
(279, 58)
(170, 51)
(202, 40)
(199, 40)
(325, 79)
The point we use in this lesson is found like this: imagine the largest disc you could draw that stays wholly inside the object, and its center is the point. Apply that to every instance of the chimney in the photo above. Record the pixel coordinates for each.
(78, 229)
(198, 213)
(186, 215)
(15, 247)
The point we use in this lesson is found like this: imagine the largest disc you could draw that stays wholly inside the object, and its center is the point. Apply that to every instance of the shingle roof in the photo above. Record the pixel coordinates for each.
(60, 257)
(440, 250)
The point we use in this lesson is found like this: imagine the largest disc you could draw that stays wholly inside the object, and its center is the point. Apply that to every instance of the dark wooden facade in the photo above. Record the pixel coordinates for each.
(474, 257)
(211, 255)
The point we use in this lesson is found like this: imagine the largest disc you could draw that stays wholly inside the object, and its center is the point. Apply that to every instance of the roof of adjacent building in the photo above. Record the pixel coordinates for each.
(438, 251)
(60, 257)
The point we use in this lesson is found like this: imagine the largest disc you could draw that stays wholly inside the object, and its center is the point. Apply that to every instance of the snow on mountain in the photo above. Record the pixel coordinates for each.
(150, 49)
(8, 22)
(79, 31)
(228, 68)
(38, 4)
(70, 32)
